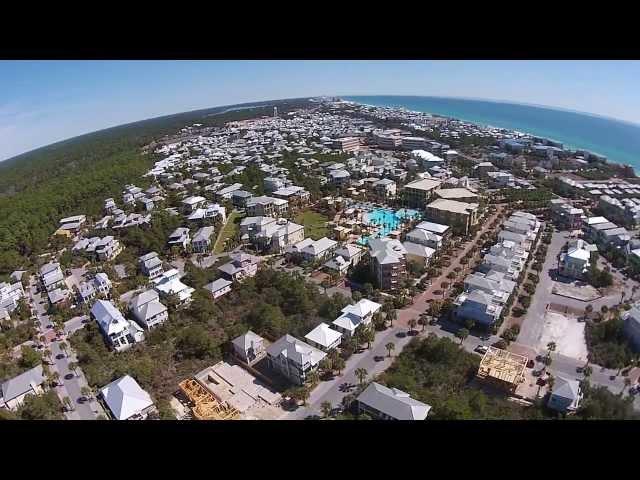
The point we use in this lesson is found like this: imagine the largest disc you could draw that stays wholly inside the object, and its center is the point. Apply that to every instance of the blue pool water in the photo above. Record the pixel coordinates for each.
(387, 219)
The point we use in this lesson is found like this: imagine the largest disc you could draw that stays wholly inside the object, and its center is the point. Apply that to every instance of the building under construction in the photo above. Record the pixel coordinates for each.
(502, 369)
(203, 404)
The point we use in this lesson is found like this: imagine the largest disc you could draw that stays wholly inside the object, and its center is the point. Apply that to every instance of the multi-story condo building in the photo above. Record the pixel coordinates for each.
(169, 284)
(460, 216)
(576, 261)
(480, 307)
(179, 238)
(346, 144)
(565, 215)
(293, 358)
(417, 194)
(240, 267)
(10, 294)
(388, 263)
(353, 316)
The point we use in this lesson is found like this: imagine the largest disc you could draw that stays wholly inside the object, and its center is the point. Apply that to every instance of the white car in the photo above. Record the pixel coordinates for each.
(481, 349)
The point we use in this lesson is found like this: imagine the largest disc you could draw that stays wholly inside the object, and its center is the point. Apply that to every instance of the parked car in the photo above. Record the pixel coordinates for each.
(530, 364)
(579, 369)
(481, 349)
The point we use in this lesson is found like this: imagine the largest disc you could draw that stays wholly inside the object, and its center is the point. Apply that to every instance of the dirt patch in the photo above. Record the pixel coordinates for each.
(584, 293)
(567, 333)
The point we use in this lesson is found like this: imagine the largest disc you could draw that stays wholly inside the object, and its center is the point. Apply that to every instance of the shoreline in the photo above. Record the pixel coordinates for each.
(567, 144)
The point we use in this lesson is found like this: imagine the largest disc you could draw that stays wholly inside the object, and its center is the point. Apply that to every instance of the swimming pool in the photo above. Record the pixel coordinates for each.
(387, 220)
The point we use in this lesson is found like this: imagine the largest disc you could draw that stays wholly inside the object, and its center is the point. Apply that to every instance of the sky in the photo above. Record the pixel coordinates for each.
(42, 102)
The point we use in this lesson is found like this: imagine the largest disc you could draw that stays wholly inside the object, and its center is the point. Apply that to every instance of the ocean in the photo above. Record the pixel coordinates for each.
(619, 141)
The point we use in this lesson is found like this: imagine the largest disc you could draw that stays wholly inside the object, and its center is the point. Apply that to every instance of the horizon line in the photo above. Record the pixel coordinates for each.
(511, 102)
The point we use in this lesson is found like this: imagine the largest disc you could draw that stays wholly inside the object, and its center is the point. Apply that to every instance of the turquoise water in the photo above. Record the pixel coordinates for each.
(619, 141)
(387, 219)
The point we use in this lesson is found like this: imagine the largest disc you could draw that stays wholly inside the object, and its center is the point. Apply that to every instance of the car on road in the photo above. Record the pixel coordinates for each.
(60, 356)
(378, 358)
(579, 369)
(68, 376)
(336, 411)
(482, 349)
(531, 364)
(85, 320)
(313, 417)
(82, 399)
(536, 373)
(50, 326)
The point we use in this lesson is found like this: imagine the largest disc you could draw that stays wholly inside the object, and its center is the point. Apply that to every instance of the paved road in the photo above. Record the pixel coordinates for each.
(68, 387)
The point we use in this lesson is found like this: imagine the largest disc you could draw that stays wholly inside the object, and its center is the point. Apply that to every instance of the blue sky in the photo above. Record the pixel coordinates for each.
(46, 101)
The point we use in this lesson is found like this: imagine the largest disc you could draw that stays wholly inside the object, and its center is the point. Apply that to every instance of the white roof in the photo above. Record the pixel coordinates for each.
(125, 398)
(108, 317)
(323, 335)
(393, 402)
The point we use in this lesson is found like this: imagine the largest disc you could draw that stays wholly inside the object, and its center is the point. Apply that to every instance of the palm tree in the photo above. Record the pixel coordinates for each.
(361, 373)
(391, 316)
(313, 378)
(412, 324)
(423, 320)
(74, 366)
(303, 394)
(55, 376)
(604, 310)
(46, 354)
(390, 348)
(435, 308)
(63, 346)
(86, 391)
(370, 336)
(634, 289)
(326, 365)
(589, 310)
(627, 383)
(67, 403)
(462, 334)
(339, 364)
(587, 371)
(325, 408)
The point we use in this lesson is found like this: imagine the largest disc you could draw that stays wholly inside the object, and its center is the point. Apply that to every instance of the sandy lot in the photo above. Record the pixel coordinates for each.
(585, 293)
(567, 333)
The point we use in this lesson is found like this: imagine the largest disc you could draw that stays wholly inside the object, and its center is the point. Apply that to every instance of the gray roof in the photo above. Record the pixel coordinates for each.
(245, 340)
(218, 284)
(295, 350)
(393, 402)
(565, 388)
(21, 384)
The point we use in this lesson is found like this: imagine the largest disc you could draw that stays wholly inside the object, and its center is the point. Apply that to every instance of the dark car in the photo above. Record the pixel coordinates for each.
(530, 364)
(85, 320)
(82, 399)
(542, 382)
(68, 376)
(378, 358)
(313, 417)
(336, 411)
(50, 326)
(579, 369)
(60, 356)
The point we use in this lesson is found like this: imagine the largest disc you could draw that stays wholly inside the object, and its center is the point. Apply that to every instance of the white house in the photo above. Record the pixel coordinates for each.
(179, 238)
(324, 337)
(384, 403)
(355, 315)
(126, 400)
(169, 284)
(151, 265)
(147, 309)
(219, 287)
(15, 389)
(294, 358)
(249, 347)
(119, 332)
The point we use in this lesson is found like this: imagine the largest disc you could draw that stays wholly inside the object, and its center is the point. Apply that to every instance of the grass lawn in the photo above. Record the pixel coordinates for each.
(227, 231)
(315, 224)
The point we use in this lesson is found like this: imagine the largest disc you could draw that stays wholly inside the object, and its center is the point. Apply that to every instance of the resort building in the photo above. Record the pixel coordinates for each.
(460, 216)
(458, 194)
(417, 194)
(51, 277)
(10, 294)
(576, 261)
(418, 253)
(388, 263)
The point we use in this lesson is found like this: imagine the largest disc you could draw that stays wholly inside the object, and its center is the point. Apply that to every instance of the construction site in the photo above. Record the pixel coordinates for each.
(502, 369)
(226, 391)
